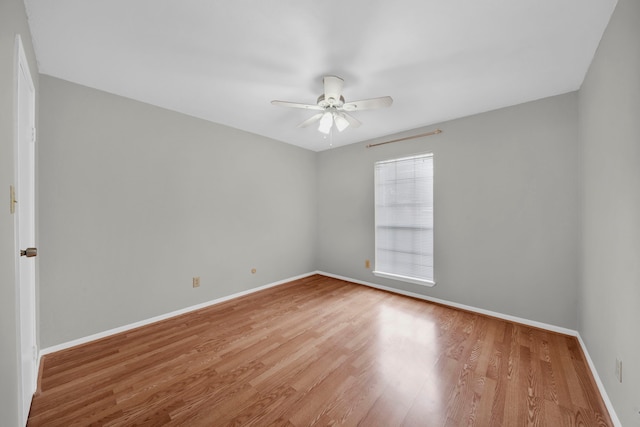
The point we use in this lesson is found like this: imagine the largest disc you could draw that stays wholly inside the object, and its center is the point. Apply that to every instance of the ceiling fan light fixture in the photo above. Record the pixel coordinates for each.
(326, 122)
(340, 121)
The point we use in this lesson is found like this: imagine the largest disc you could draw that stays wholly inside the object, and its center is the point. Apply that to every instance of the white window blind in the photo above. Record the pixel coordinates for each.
(404, 219)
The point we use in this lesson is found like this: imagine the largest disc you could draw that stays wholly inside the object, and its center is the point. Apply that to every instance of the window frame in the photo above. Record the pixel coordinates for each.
(391, 275)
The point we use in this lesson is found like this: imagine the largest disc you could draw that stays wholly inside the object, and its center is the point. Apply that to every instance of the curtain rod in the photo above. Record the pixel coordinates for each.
(435, 132)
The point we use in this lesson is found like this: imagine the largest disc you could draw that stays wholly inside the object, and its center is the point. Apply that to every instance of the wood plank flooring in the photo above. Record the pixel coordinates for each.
(321, 351)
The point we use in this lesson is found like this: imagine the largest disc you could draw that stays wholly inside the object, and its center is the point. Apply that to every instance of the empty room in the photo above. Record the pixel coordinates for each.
(295, 213)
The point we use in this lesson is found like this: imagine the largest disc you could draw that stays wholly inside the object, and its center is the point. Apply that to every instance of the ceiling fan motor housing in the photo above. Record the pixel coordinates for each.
(330, 102)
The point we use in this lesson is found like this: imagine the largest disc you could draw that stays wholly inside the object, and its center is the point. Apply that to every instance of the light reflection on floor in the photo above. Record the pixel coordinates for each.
(408, 352)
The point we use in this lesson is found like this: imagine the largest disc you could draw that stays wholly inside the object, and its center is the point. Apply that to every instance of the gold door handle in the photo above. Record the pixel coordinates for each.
(29, 252)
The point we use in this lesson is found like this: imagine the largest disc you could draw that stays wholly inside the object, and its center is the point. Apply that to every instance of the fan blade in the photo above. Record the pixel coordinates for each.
(332, 87)
(368, 104)
(297, 105)
(311, 120)
(353, 122)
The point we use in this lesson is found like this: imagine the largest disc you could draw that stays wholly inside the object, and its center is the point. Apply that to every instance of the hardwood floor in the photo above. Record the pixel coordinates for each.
(321, 351)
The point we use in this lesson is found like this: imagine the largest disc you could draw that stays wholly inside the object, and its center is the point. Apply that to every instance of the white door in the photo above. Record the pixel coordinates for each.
(25, 227)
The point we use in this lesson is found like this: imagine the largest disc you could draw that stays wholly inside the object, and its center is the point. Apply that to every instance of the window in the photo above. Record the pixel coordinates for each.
(404, 219)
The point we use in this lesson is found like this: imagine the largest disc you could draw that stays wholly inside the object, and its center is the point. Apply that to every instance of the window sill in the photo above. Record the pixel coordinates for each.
(408, 279)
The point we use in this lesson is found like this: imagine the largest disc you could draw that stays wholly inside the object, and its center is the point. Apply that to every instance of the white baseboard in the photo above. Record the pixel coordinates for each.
(546, 326)
(134, 325)
(508, 317)
(596, 377)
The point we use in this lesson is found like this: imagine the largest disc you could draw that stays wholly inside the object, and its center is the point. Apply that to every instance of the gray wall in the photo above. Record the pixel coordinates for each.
(135, 200)
(609, 309)
(506, 210)
(13, 21)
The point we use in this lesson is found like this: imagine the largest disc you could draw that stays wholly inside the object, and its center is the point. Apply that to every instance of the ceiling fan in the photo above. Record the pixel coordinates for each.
(333, 108)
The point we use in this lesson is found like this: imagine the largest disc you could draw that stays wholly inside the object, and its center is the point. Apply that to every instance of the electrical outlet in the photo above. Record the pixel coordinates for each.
(367, 263)
(196, 282)
(619, 370)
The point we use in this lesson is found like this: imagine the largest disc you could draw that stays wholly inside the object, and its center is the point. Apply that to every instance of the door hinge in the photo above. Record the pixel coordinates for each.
(33, 134)
(35, 353)
(12, 199)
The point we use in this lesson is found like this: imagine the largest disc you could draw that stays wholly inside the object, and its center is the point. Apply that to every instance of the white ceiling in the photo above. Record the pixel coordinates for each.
(225, 60)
